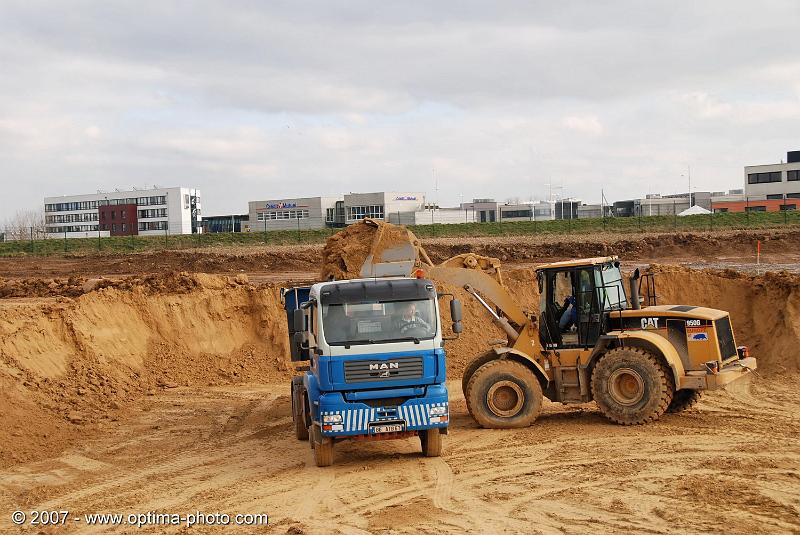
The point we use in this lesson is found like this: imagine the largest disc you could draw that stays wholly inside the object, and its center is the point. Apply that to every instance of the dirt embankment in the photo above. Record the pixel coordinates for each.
(764, 309)
(67, 362)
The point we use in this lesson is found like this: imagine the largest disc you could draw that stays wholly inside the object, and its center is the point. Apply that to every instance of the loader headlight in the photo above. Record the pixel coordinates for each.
(437, 411)
(332, 419)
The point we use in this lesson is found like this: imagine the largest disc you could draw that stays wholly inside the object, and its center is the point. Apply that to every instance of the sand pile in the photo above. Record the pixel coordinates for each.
(764, 309)
(345, 252)
(69, 362)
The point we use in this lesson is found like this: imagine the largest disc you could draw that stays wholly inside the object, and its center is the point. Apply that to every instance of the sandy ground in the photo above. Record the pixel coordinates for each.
(232, 450)
(170, 394)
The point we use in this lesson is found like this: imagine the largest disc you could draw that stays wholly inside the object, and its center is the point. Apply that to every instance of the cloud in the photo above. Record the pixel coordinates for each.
(254, 100)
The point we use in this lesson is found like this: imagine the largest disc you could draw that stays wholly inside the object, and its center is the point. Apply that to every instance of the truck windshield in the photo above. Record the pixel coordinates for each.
(610, 288)
(381, 321)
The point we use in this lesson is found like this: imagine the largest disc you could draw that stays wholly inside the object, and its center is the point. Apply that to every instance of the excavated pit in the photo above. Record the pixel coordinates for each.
(66, 363)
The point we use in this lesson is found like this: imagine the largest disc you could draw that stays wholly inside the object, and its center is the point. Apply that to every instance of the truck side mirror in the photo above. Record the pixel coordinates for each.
(298, 352)
(298, 321)
(456, 314)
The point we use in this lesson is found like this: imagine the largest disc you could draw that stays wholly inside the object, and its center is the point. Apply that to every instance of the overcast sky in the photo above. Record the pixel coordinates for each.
(259, 100)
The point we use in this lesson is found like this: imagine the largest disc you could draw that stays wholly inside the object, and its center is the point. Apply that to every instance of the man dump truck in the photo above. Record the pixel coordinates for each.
(376, 362)
(590, 341)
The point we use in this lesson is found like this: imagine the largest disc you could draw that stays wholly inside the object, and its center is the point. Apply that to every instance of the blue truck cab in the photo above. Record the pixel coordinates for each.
(374, 362)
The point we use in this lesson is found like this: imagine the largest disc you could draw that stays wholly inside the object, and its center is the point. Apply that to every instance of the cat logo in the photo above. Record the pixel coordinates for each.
(384, 366)
(649, 323)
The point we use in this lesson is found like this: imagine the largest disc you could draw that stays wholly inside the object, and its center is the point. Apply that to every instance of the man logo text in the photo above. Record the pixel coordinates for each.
(385, 366)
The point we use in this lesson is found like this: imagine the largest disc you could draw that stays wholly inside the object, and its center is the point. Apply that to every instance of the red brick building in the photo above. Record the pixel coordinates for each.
(119, 219)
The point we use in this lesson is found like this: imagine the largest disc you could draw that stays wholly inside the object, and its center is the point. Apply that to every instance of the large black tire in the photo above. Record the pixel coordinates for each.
(431, 440)
(632, 386)
(322, 447)
(470, 370)
(298, 409)
(684, 399)
(504, 394)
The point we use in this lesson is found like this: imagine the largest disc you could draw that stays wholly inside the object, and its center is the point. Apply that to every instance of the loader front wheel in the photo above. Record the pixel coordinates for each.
(684, 399)
(504, 394)
(631, 386)
(470, 370)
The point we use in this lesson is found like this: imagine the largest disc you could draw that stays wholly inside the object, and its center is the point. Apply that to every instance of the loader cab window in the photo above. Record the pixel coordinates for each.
(569, 307)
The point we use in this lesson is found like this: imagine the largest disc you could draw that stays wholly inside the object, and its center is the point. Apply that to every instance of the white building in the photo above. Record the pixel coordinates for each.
(774, 181)
(155, 211)
(292, 214)
(393, 206)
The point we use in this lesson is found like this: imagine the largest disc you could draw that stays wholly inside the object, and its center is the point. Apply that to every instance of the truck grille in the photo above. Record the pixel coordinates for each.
(727, 348)
(362, 371)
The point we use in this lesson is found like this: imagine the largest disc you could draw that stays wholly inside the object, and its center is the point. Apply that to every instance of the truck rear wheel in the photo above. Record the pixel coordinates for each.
(298, 409)
(504, 394)
(684, 399)
(322, 446)
(631, 386)
(431, 440)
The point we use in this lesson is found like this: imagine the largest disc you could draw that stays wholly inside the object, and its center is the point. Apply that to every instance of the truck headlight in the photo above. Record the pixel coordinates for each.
(332, 419)
(437, 411)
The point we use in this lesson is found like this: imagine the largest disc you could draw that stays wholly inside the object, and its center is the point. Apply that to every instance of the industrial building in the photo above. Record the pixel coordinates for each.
(225, 223)
(321, 212)
(774, 181)
(154, 211)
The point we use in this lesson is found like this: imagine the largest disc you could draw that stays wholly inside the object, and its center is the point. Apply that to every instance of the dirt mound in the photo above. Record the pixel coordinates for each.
(764, 309)
(76, 361)
(345, 252)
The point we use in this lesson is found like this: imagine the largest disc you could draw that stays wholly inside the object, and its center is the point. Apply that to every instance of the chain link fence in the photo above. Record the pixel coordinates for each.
(36, 241)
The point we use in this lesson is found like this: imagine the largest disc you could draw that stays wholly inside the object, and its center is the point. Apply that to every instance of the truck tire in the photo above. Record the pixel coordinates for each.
(470, 369)
(322, 447)
(504, 394)
(431, 440)
(684, 399)
(298, 409)
(631, 386)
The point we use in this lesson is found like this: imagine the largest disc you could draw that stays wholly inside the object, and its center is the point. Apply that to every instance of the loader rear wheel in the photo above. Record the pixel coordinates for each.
(431, 440)
(631, 386)
(504, 394)
(470, 370)
(684, 399)
(322, 447)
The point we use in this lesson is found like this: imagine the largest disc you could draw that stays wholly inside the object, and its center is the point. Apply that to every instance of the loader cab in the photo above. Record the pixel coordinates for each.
(576, 298)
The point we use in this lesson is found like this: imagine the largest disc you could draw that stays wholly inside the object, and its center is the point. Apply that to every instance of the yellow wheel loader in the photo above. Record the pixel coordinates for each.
(592, 340)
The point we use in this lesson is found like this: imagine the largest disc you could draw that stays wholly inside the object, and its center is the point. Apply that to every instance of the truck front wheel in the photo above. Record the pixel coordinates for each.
(431, 442)
(322, 446)
(504, 394)
(631, 386)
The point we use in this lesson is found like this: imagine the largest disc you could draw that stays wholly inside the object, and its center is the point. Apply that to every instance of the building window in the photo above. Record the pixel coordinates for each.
(152, 225)
(788, 207)
(357, 213)
(764, 178)
(114, 227)
(720, 210)
(152, 213)
(516, 213)
(775, 196)
(186, 202)
(793, 195)
(124, 227)
(792, 176)
(330, 215)
(756, 208)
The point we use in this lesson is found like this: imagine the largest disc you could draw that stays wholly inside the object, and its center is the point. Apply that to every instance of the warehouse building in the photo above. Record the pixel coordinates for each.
(155, 211)
(321, 212)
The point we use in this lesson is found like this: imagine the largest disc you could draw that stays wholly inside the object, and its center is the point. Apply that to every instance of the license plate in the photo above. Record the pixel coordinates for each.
(395, 428)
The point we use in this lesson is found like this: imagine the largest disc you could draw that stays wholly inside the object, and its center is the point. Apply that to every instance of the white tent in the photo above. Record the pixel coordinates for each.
(694, 210)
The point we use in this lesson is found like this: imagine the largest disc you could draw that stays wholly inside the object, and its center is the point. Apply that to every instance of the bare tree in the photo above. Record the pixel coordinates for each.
(24, 224)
